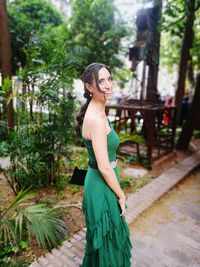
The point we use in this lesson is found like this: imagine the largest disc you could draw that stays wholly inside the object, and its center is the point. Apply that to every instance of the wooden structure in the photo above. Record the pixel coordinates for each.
(146, 51)
(146, 115)
(148, 120)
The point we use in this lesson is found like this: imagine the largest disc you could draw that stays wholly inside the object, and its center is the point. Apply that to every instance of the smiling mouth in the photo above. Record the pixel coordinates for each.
(108, 93)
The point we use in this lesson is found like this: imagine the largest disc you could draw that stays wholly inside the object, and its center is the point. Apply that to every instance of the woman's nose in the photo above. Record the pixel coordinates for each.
(108, 84)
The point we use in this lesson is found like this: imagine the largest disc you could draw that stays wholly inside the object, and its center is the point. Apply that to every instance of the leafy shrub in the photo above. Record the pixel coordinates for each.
(20, 220)
(45, 115)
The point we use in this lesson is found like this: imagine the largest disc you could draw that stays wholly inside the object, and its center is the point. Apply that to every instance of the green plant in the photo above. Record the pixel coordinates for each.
(126, 182)
(4, 148)
(39, 138)
(136, 138)
(20, 219)
(61, 182)
(196, 133)
(142, 159)
(132, 159)
(8, 252)
(8, 261)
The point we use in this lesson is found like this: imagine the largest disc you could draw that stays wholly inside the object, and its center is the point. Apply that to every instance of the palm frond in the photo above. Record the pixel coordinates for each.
(22, 196)
(7, 231)
(44, 222)
(17, 220)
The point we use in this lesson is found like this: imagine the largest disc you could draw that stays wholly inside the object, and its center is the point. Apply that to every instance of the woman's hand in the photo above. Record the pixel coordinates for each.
(122, 204)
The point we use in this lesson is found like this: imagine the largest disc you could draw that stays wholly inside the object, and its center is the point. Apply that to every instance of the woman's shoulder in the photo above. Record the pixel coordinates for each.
(93, 124)
(94, 120)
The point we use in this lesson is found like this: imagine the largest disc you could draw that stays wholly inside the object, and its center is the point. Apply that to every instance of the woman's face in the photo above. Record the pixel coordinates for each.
(105, 85)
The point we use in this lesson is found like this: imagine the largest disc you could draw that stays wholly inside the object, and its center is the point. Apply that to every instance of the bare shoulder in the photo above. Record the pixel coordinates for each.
(94, 125)
(96, 121)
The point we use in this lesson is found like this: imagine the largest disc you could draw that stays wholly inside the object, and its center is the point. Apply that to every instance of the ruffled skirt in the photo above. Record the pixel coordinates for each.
(107, 237)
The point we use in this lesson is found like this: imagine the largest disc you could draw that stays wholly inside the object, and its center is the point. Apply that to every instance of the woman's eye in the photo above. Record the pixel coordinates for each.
(104, 81)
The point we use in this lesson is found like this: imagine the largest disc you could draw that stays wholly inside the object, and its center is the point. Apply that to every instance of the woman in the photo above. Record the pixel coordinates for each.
(108, 243)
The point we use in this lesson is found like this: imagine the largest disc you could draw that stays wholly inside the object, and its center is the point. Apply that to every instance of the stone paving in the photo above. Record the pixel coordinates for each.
(71, 252)
(168, 234)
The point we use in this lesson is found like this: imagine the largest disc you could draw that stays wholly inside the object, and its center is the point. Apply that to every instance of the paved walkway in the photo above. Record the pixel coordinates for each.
(168, 234)
(71, 252)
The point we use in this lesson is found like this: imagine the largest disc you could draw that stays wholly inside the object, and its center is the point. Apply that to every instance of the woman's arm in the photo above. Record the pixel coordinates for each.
(99, 142)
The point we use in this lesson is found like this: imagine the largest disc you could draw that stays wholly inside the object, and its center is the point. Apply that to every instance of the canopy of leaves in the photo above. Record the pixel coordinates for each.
(27, 17)
(95, 33)
(173, 23)
(173, 26)
(195, 50)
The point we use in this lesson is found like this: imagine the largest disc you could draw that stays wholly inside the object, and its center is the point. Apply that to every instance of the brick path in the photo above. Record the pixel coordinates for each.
(168, 234)
(71, 252)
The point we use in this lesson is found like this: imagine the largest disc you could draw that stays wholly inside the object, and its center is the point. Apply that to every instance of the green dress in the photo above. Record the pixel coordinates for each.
(107, 236)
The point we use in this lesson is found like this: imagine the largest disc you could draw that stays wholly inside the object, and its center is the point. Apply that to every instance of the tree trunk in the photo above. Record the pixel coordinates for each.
(152, 90)
(185, 55)
(5, 55)
(192, 120)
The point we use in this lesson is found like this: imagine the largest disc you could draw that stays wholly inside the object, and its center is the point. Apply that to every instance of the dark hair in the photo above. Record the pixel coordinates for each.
(90, 74)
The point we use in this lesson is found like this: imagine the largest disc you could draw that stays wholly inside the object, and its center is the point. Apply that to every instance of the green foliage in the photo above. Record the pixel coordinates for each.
(95, 33)
(4, 148)
(142, 159)
(141, 182)
(44, 112)
(7, 84)
(195, 52)
(7, 250)
(7, 261)
(27, 18)
(126, 182)
(34, 147)
(173, 26)
(61, 182)
(196, 133)
(52, 56)
(122, 76)
(136, 138)
(19, 220)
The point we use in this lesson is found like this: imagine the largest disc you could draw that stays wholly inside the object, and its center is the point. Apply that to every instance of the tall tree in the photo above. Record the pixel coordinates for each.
(152, 90)
(6, 61)
(26, 18)
(174, 18)
(95, 32)
(185, 54)
(192, 120)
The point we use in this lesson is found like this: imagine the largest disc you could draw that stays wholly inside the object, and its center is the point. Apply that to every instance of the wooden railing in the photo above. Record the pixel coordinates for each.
(156, 123)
